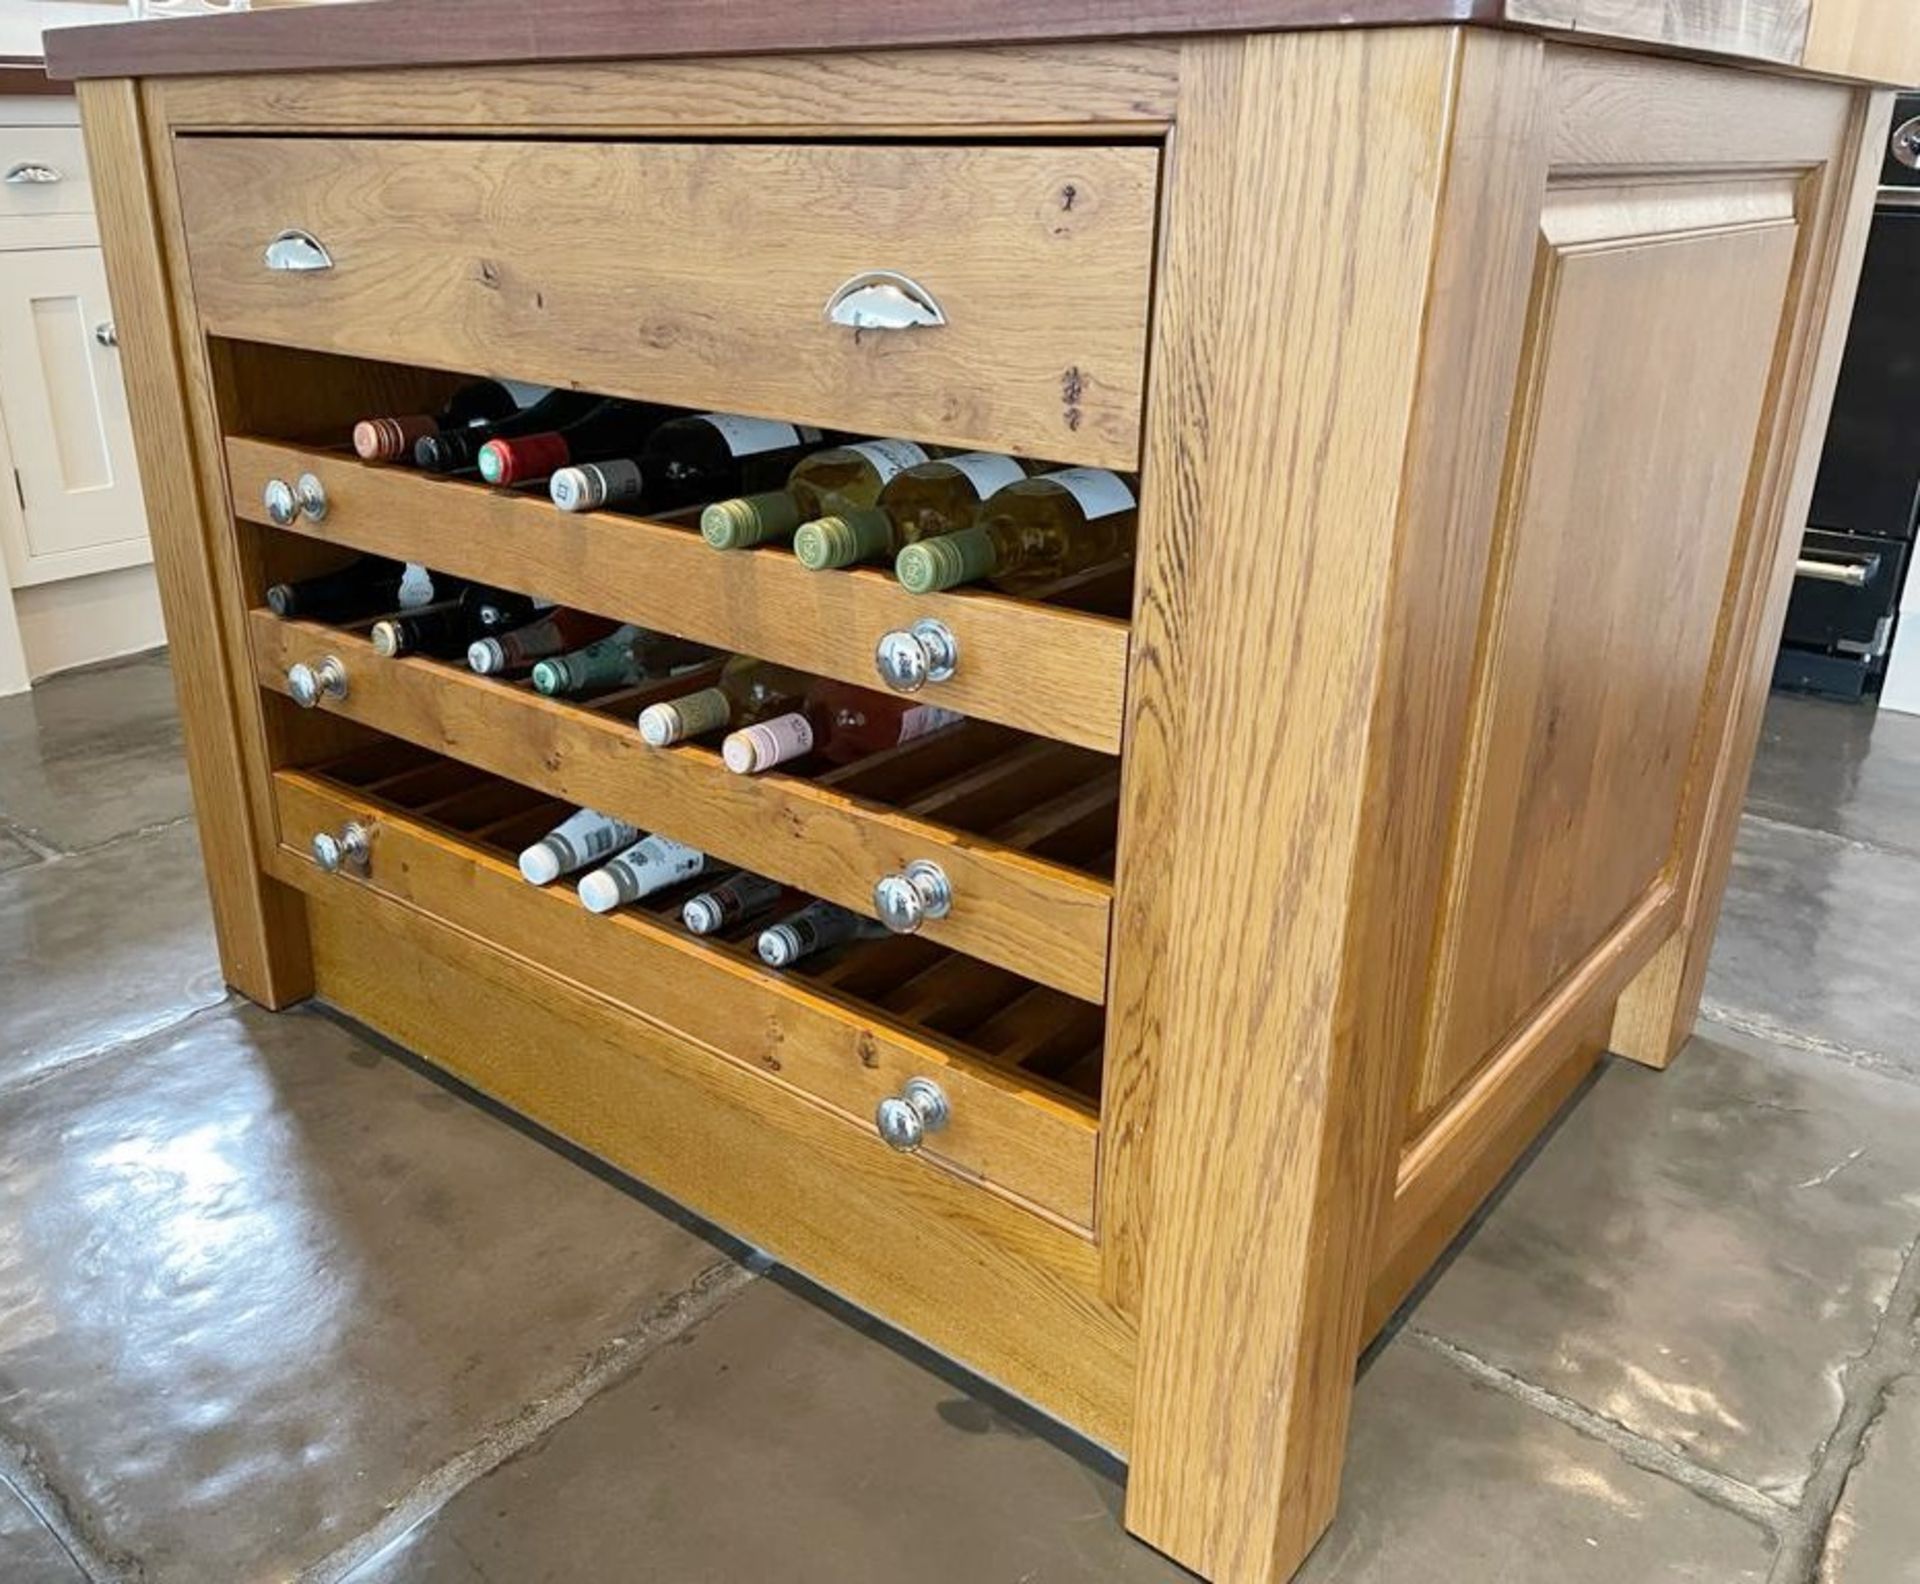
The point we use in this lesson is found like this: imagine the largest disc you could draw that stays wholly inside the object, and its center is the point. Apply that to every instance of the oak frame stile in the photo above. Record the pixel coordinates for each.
(1373, 251)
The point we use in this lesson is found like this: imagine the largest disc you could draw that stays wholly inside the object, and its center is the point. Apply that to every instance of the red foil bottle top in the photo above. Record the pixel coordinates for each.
(391, 439)
(527, 457)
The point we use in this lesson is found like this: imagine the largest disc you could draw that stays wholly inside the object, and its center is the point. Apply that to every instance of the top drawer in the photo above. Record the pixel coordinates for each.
(43, 170)
(700, 274)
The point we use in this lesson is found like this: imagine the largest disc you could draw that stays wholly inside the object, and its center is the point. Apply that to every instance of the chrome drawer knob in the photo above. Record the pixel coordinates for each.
(925, 652)
(311, 496)
(904, 1120)
(281, 502)
(906, 900)
(107, 333)
(308, 684)
(351, 849)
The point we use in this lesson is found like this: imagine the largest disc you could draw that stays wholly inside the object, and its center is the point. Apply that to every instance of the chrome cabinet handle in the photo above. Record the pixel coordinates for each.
(351, 849)
(919, 892)
(883, 300)
(1906, 144)
(925, 652)
(306, 497)
(107, 333)
(31, 173)
(308, 683)
(295, 249)
(904, 1120)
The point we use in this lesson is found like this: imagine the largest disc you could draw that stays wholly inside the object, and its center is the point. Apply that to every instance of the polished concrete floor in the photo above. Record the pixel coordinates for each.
(274, 1304)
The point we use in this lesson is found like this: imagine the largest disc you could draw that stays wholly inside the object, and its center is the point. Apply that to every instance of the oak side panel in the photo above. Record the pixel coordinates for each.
(1004, 1291)
(1309, 175)
(1065, 90)
(1617, 544)
(260, 924)
(1657, 1012)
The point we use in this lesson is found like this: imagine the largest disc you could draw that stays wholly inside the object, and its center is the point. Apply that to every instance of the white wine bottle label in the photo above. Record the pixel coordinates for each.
(750, 436)
(659, 862)
(1099, 492)
(767, 743)
(889, 457)
(923, 719)
(986, 471)
(416, 586)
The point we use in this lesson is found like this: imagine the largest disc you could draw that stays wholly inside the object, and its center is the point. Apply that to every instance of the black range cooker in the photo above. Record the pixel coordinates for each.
(1860, 529)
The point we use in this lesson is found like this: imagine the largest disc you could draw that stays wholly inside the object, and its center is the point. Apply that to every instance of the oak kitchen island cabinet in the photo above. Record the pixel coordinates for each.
(1283, 879)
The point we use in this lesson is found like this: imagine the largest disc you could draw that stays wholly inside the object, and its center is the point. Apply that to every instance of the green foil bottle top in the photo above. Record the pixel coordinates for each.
(945, 562)
(750, 520)
(841, 540)
(551, 677)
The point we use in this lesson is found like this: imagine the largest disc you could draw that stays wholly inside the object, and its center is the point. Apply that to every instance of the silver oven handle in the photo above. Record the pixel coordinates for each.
(1852, 573)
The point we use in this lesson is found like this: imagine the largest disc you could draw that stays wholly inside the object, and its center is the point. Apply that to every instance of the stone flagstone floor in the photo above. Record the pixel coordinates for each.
(275, 1304)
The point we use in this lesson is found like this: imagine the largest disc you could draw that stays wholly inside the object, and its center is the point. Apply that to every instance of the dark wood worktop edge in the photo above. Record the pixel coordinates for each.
(27, 74)
(483, 32)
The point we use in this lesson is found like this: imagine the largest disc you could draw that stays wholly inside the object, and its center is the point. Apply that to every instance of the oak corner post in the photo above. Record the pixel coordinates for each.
(259, 923)
(1309, 171)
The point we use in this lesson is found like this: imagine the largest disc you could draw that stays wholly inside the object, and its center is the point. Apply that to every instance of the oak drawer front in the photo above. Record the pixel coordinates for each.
(1058, 673)
(699, 274)
(43, 171)
(1040, 919)
(1003, 1130)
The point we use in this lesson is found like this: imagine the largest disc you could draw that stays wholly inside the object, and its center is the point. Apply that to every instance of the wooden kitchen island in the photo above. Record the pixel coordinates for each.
(1472, 362)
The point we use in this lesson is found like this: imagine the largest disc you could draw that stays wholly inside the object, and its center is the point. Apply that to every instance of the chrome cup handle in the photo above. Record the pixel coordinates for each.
(31, 173)
(883, 300)
(294, 250)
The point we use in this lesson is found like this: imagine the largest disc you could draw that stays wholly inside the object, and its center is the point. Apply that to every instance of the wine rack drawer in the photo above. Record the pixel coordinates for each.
(826, 1034)
(830, 836)
(985, 296)
(1043, 667)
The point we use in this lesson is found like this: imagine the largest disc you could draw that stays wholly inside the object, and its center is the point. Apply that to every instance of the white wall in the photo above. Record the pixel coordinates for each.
(23, 21)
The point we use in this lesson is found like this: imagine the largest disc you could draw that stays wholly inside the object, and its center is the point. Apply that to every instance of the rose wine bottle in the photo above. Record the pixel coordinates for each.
(815, 928)
(456, 450)
(747, 690)
(841, 477)
(609, 429)
(509, 653)
(698, 457)
(936, 497)
(1030, 533)
(651, 864)
(583, 837)
(393, 439)
(836, 721)
(736, 900)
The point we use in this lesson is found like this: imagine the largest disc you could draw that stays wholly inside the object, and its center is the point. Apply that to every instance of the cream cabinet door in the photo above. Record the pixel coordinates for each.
(73, 504)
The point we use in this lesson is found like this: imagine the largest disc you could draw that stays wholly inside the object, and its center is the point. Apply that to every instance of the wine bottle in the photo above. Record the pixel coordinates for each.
(813, 929)
(687, 460)
(447, 628)
(625, 656)
(937, 497)
(454, 450)
(583, 837)
(747, 690)
(394, 439)
(1030, 533)
(608, 429)
(507, 653)
(649, 865)
(841, 477)
(732, 902)
(837, 721)
(365, 586)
